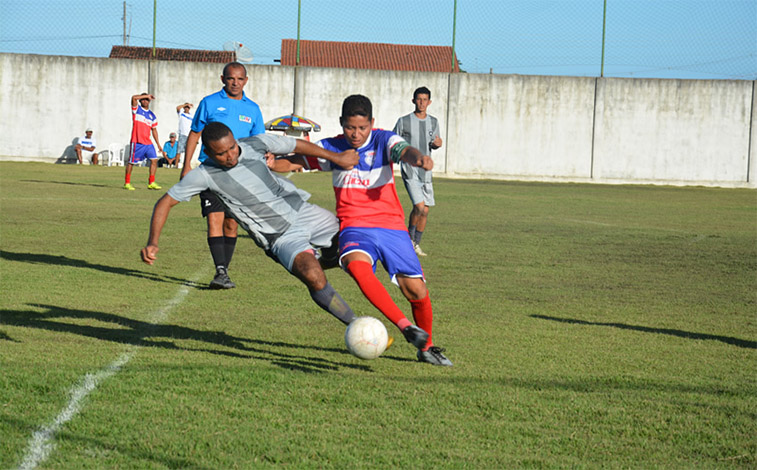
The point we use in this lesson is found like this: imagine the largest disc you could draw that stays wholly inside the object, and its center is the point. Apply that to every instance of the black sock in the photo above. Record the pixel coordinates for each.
(229, 244)
(411, 231)
(418, 235)
(330, 300)
(216, 245)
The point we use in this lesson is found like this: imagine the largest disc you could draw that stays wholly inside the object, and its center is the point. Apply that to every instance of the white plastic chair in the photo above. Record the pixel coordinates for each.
(116, 156)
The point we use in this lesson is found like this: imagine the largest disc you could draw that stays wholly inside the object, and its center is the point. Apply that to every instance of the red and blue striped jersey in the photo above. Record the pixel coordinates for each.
(143, 122)
(366, 195)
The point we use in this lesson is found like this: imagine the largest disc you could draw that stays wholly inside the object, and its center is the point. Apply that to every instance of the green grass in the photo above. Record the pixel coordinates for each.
(591, 326)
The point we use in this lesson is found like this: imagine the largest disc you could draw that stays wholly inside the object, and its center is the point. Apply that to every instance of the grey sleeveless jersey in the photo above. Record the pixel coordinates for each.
(419, 133)
(263, 203)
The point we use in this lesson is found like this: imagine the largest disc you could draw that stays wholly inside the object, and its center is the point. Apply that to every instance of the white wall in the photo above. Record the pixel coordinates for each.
(520, 126)
(672, 130)
(493, 126)
(50, 101)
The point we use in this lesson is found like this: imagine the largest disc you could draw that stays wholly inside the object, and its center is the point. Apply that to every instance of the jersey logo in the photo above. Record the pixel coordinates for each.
(354, 180)
(221, 109)
(207, 203)
(369, 157)
(244, 118)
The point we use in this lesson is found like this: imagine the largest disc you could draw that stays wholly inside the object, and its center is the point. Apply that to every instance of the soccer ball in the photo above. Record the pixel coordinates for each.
(366, 337)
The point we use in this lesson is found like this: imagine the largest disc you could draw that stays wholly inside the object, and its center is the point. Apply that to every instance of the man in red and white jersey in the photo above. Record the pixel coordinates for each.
(144, 123)
(372, 222)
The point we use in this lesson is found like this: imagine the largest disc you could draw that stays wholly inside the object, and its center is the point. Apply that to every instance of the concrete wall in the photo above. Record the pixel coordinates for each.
(50, 100)
(520, 126)
(493, 126)
(673, 130)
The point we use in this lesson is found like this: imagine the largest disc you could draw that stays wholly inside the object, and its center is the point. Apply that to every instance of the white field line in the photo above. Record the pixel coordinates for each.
(42, 442)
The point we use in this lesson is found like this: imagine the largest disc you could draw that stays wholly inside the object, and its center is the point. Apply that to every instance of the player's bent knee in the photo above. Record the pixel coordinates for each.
(413, 288)
(308, 270)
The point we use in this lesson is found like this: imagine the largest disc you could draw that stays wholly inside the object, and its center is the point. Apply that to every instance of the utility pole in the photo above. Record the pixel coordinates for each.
(154, 24)
(299, 12)
(604, 23)
(124, 19)
(454, 30)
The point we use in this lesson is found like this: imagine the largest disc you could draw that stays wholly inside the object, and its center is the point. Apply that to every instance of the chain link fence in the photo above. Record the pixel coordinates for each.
(699, 39)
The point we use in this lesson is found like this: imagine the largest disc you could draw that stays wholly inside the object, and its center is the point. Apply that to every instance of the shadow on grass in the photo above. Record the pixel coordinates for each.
(38, 258)
(102, 448)
(73, 183)
(742, 343)
(145, 334)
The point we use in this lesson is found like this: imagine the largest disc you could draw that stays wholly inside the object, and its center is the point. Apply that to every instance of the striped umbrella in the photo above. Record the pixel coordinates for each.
(294, 122)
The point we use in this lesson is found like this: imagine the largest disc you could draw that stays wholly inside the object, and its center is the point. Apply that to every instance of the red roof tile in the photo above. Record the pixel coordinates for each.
(184, 55)
(361, 55)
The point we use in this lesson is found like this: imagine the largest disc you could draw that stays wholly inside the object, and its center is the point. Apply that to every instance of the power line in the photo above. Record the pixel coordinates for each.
(58, 38)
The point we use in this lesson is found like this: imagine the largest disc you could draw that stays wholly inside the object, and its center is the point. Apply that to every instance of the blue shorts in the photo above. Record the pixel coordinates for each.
(392, 247)
(139, 152)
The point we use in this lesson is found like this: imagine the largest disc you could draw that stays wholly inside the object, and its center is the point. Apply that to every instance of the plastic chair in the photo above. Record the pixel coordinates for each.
(116, 154)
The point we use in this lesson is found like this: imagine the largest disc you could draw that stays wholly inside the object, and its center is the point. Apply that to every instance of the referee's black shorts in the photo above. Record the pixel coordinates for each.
(210, 203)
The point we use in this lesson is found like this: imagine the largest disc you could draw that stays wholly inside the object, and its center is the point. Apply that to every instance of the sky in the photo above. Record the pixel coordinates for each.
(690, 39)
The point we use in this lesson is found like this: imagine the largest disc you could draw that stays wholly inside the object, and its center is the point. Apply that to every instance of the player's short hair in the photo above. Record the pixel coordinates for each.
(233, 65)
(357, 105)
(421, 91)
(215, 131)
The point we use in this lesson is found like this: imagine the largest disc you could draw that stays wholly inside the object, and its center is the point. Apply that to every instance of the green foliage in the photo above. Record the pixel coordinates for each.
(590, 326)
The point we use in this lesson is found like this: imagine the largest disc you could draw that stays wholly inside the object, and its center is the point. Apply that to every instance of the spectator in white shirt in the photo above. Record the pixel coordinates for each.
(185, 126)
(85, 147)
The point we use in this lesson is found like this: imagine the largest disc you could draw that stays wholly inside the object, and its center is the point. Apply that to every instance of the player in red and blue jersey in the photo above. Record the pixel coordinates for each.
(144, 123)
(372, 222)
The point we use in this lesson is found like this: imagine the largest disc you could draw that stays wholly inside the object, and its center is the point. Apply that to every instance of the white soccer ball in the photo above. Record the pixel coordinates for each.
(366, 337)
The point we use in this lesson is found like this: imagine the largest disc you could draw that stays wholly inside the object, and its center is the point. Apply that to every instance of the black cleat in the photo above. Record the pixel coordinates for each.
(415, 336)
(434, 356)
(222, 281)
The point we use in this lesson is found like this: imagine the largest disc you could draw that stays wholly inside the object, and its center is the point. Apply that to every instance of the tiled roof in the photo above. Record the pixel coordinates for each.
(184, 55)
(363, 55)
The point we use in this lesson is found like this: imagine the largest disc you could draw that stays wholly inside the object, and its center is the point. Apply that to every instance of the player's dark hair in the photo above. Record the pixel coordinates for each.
(233, 65)
(215, 131)
(357, 105)
(421, 91)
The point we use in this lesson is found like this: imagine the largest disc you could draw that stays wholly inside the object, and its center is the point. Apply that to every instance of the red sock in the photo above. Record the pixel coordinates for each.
(151, 179)
(127, 179)
(375, 292)
(423, 316)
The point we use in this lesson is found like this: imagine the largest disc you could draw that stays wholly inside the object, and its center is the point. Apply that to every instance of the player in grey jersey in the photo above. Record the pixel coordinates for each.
(273, 210)
(421, 130)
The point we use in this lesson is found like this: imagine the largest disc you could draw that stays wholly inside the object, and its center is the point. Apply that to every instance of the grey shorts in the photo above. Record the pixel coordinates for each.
(315, 229)
(420, 191)
(182, 144)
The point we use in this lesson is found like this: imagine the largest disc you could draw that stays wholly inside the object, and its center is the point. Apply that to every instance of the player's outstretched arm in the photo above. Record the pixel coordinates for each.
(414, 157)
(159, 216)
(347, 159)
(285, 163)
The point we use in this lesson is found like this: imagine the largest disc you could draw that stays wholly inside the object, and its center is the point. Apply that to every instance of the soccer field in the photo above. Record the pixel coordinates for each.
(591, 326)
